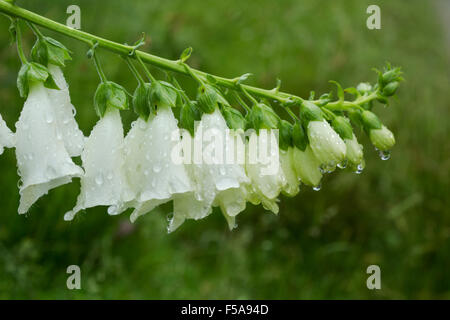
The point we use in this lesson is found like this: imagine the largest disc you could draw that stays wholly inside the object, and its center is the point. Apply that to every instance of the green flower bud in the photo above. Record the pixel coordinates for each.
(299, 137)
(310, 112)
(110, 94)
(49, 51)
(383, 139)
(262, 116)
(307, 166)
(291, 187)
(141, 101)
(326, 144)
(163, 94)
(389, 76)
(285, 135)
(234, 119)
(370, 121)
(31, 72)
(342, 126)
(390, 89)
(188, 115)
(354, 150)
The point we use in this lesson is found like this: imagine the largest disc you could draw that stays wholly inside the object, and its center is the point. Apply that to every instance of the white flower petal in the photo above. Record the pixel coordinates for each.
(42, 158)
(269, 184)
(7, 138)
(149, 165)
(73, 137)
(104, 182)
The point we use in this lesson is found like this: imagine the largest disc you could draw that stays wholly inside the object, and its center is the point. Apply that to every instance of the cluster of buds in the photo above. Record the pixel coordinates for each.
(142, 169)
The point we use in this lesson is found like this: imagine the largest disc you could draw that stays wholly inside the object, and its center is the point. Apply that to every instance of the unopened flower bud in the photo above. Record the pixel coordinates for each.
(383, 139)
(326, 144)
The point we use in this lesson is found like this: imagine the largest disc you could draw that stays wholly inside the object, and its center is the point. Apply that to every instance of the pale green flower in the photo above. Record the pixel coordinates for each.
(326, 144)
(292, 185)
(354, 150)
(383, 139)
(307, 166)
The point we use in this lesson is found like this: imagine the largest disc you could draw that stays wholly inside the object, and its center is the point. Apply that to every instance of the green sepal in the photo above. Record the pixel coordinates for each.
(261, 116)
(47, 50)
(34, 72)
(110, 94)
(142, 104)
(285, 134)
(299, 137)
(390, 89)
(310, 112)
(163, 94)
(355, 117)
(370, 121)
(209, 98)
(189, 113)
(343, 127)
(234, 119)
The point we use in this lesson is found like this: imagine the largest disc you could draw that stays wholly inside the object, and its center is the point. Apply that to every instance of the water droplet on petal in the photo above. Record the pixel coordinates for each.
(384, 155)
(49, 118)
(156, 168)
(99, 179)
(359, 169)
(318, 187)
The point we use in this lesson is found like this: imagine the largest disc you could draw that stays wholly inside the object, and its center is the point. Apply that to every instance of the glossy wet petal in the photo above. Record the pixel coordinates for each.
(104, 182)
(42, 158)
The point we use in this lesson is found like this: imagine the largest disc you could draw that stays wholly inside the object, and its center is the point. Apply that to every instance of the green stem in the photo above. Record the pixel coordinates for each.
(166, 64)
(100, 72)
(177, 85)
(241, 102)
(36, 31)
(248, 95)
(134, 70)
(292, 114)
(22, 57)
(146, 71)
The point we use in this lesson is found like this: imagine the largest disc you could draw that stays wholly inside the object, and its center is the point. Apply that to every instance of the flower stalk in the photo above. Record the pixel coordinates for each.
(166, 64)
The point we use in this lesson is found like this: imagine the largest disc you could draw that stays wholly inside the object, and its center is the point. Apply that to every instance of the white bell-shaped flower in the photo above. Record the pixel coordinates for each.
(7, 138)
(215, 166)
(264, 168)
(307, 166)
(42, 158)
(154, 176)
(65, 114)
(326, 144)
(104, 182)
(196, 204)
(292, 185)
(218, 162)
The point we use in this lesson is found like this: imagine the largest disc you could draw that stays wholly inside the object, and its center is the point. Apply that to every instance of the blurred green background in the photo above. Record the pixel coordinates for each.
(395, 214)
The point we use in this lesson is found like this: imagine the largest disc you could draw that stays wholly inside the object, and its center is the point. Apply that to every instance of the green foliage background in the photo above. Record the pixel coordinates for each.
(396, 214)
